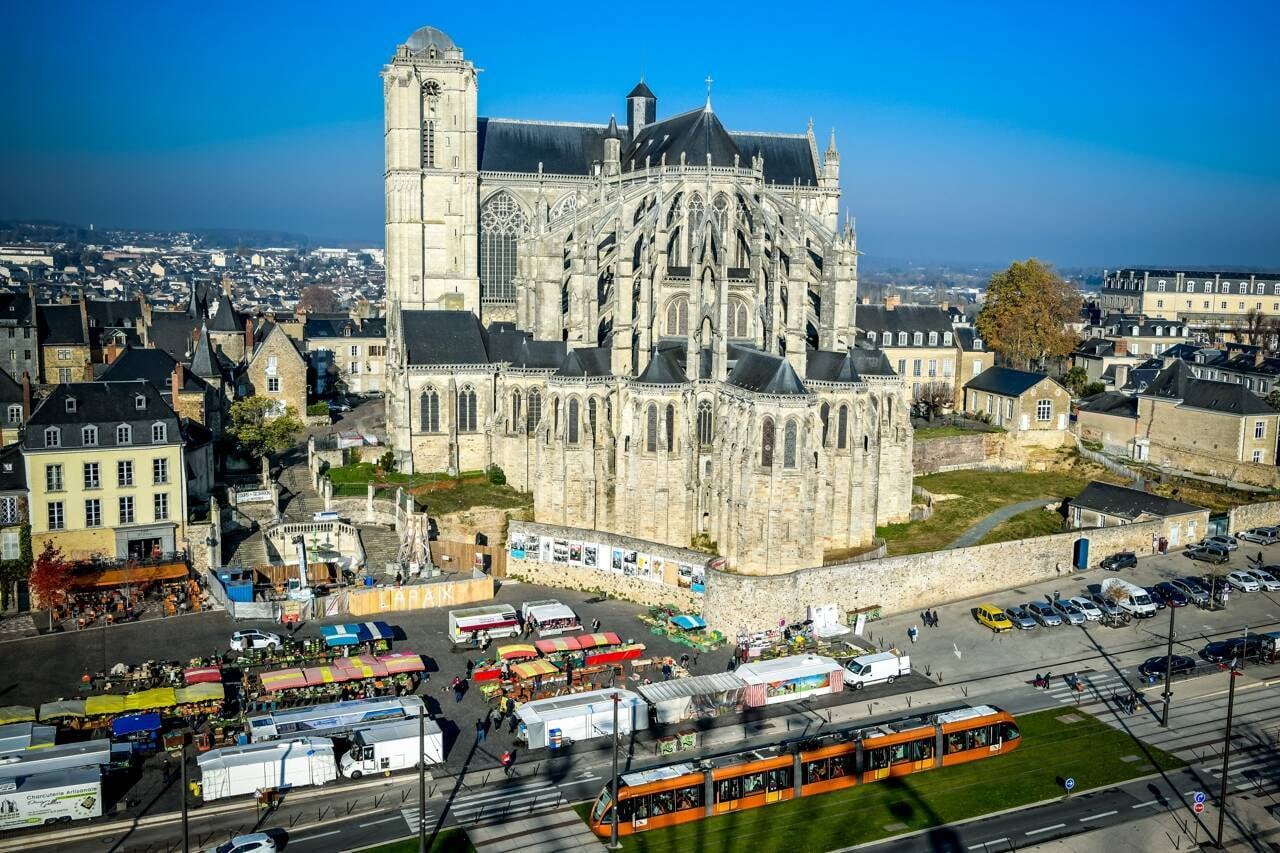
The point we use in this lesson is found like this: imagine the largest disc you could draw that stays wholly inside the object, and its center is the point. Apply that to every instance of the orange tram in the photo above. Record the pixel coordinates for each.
(680, 793)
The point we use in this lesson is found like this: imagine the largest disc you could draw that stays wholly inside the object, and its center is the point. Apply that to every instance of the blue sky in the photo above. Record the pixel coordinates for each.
(1088, 133)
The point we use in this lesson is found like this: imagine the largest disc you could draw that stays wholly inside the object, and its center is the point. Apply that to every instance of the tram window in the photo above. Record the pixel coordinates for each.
(663, 802)
(924, 749)
(597, 814)
(729, 789)
(689, 798)
(815, 771)
(1008, 731)
(781, 779)
(752, 784)
(899, 752)
(841, 765)
(877, 759)
(955, 742)
(978, 738)
(627, 809)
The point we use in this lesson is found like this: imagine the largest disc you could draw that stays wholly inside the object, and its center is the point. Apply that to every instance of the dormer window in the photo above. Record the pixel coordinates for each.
(89, 436)
(71, 405)
(1159, 331)
(53, 437)
(871, 337)
(902, 339)
(977, 343)
(15, 414)
(139, 401)
(917, 338)
(124, 434)
(159, 433)
(1135, 331)
(933, 339)
(946, 339)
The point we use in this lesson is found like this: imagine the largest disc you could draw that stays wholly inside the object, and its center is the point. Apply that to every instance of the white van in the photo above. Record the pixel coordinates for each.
(1129, 597)
(386, 747)
(881, 668)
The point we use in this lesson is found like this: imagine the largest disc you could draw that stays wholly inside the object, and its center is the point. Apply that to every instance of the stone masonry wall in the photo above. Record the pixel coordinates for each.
(1254, 515)
(909, 582)
(931, 455)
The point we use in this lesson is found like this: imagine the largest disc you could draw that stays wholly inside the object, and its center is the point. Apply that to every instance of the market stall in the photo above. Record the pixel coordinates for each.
(769, 682)
(100, 711)
(376, 635)
(356, 677)
(549, 618)
(16, 714)
(202, 675)
(697, 697)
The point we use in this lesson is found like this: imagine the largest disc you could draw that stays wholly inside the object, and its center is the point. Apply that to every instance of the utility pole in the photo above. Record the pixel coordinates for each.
(182, 764)
(1168, 673)
(613, 820)
(422, 782)
(1226, 753)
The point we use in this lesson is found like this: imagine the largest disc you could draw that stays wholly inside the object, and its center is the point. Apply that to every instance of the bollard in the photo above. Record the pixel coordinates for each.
(965, 691)
(908, 701)
(293, 820)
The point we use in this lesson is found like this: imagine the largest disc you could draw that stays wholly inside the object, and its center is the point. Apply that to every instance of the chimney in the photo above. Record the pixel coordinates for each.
(84, 316)
(26, 396)
(891, 302)
(248, 337)
(864, 300)
(1122, 375)
(31, 295)
(178, 380)
(1258, 357)
(1122, 347)
(226, 286)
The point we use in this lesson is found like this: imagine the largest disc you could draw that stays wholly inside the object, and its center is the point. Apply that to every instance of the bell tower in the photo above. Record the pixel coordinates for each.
(429, 91)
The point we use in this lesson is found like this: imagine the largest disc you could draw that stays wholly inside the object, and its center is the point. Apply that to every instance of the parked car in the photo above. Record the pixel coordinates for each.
(1021, 618)
(1156, 598)
(1172, 596)
(1159, 665)
(243, 641)
(1260, 535)
(256, 842)
(993, 617)
(1192, 589)
(1123, 560)
(1208, 554)
(1243, 581)
(338, 406)
(1106, 605)
(1227, 543)
(1044, 613)
(1265, 579)
(1223, 651)
(1090, 610)
(1069, 612)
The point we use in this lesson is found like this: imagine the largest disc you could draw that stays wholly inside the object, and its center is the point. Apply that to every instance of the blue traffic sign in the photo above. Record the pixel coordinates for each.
(1199, 798)
(1069, 784)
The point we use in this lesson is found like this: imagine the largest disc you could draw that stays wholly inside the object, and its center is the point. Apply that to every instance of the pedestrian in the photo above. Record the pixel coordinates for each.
(1047, 677)
(684, 660)
(471, 667)
(506, 670)
(595, 626)
(508, 760)
(1038, 681)
(696, 655)
(399, 579)
(924, 617)
(913, 632)
(495, 719)
(480, 731)
(666, 671)
(732, 664)
(935, 619)
(457, 690)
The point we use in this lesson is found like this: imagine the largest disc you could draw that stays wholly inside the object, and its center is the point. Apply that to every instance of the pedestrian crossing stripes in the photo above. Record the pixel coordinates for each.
(520, 798)
(1097, 686)
(410, 816)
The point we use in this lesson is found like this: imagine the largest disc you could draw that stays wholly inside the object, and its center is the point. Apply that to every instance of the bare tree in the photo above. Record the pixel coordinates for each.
(936, 397)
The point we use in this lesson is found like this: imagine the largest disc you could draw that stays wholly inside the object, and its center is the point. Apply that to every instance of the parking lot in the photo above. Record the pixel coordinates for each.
(960, 649)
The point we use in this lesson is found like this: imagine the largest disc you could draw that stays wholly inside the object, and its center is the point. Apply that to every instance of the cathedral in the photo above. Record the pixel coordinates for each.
(649, 323)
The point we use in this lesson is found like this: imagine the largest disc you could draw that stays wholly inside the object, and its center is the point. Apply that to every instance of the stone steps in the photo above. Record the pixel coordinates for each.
(381, 546)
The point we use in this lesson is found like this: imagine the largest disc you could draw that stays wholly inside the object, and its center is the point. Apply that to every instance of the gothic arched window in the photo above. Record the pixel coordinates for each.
(678, 317)
(789, 445)
(671, 428)
(825, 413)
(651, 429)
(573, 420)
(720, 212)
(501, 222)
(429, 143)
(766, 442)
(555, 415)
(842, 428)
(591, 416)
(739, 320)
(467, 409)
(515, 409)
(564, 206)
(430, 411)
(704, 423)
(535, 410)
(697, 215)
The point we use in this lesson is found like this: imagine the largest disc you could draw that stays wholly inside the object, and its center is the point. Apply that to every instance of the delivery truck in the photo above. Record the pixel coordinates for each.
(561, 720)
(58, 796)
(494, 620)
(880, 668)
(1129, 597)
(385, 747)
(278, 765)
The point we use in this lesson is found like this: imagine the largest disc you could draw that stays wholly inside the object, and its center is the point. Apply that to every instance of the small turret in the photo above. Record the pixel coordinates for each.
(612, 147)
(642, 108)
(831, 160)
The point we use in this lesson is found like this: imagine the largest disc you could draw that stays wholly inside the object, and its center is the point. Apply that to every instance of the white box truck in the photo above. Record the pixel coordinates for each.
(58, 796)
(550, 617)
(1129, 597)
(562, 720)
(278, 765)
(880, 668)
(496, 620)
(391, 746)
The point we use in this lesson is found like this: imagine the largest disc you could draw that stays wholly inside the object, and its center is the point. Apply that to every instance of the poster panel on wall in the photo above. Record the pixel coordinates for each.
(516, 546)
(575, 553)
(544, 549)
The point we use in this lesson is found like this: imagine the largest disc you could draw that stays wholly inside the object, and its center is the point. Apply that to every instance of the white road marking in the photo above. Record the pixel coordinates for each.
(1045, 829)
(1144, 805)
(1097, 816)
(985, 844)
(314, 837)
(384, 820)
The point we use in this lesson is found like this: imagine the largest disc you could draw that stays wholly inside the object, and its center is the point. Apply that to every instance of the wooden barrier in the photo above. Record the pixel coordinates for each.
(465, 590)
(460, 557)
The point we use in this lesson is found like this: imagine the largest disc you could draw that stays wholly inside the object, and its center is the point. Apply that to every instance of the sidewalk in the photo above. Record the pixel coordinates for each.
(1249, 827)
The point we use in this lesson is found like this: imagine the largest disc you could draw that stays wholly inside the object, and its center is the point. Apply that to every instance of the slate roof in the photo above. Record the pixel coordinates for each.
(642, 91)
(694, 134)
(15, 309)
(1177, 382)
(1005, 381)
(204, 363)
(663, 369)
(153, 365)
(172, 331)
(337, 327)
(787, 157)
(105, 404)
(1096, 348)
(113, 313)
(444, 337)
(849, 366)
(1129, 503)
(226, 319)
(586, 362)
(10, 388)
(516, 347)
(904, 318)
(1111, 403)
(13, 473)
(511, 145)
(765, 373)
(60, 324)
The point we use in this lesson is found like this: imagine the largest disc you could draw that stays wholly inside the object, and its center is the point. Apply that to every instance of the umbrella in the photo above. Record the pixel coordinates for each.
(398, 662)
(533, 668)
(517, 651)
(202, 675)
(283, 679)
(559, 644)
(590, 641)
(16, 714)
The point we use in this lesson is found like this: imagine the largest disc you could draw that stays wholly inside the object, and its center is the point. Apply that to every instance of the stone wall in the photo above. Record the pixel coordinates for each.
(1248, 473)
(951, 453)
(1254, 515)
(733, 601)
(618, 585)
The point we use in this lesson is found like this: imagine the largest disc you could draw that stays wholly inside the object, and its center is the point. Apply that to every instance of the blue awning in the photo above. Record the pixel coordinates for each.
(133, 723)
(356, 633)
(688, 623)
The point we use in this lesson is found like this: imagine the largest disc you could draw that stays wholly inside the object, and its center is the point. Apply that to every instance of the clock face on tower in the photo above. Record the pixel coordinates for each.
(431, 88)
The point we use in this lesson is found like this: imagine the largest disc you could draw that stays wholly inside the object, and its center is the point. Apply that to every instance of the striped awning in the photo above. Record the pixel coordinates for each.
(559, 644)
(202, 675)
(591, 641)
(533, 669)
(355, 633)
(688, 622)
(517, 651)
(400, 662)
(283, 679)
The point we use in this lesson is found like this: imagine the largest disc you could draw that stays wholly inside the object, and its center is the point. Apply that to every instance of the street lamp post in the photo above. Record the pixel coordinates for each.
(1168, 673)
(422, 782)
(1226, 754)
(182, 764)
(613, 820)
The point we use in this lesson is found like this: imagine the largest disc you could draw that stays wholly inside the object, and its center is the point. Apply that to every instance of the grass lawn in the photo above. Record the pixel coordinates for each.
(466, 495)
(1033, 522)
(980, 493)
(1087, 750)
(352, 481)
(948, 430)
(448, 841)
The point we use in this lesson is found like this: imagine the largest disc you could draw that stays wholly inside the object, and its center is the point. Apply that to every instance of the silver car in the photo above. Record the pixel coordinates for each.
(1044, 613)
(1021, 618)
(1069, 612)
(1106, 605)
(1227, 543)
(1260, 535)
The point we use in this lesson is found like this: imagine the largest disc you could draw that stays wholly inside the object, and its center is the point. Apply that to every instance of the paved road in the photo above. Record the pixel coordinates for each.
(975, 533)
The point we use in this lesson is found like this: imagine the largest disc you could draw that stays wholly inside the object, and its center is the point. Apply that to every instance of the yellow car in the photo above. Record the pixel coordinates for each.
(993, 617)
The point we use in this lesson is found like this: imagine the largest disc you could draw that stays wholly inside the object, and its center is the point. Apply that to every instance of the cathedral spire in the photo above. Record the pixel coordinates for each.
(708, 81)
(831, 147)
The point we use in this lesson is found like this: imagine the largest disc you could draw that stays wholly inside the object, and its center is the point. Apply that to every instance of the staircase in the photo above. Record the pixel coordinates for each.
(381, 546)
(299, 499)
(246, 548)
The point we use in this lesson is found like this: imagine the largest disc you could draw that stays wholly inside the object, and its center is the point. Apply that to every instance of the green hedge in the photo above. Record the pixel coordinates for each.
(318, 409)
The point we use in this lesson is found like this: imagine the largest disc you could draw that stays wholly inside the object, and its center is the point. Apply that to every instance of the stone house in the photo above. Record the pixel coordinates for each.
(15, 405)
(347, 351)
(1108, 505)
(19, 352)
(65, 352)
(1018, 400)
(920, 342)
(276, 369)
(1109, 418)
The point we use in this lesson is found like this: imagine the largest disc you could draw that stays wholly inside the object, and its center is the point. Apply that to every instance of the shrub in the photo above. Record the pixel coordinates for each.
(318, 409)
(497, 476)
(387, 462)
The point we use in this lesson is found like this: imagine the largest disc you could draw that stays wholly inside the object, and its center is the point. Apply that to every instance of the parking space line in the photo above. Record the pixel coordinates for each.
(1045, 829)
(315, 836)
(1098, 816)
